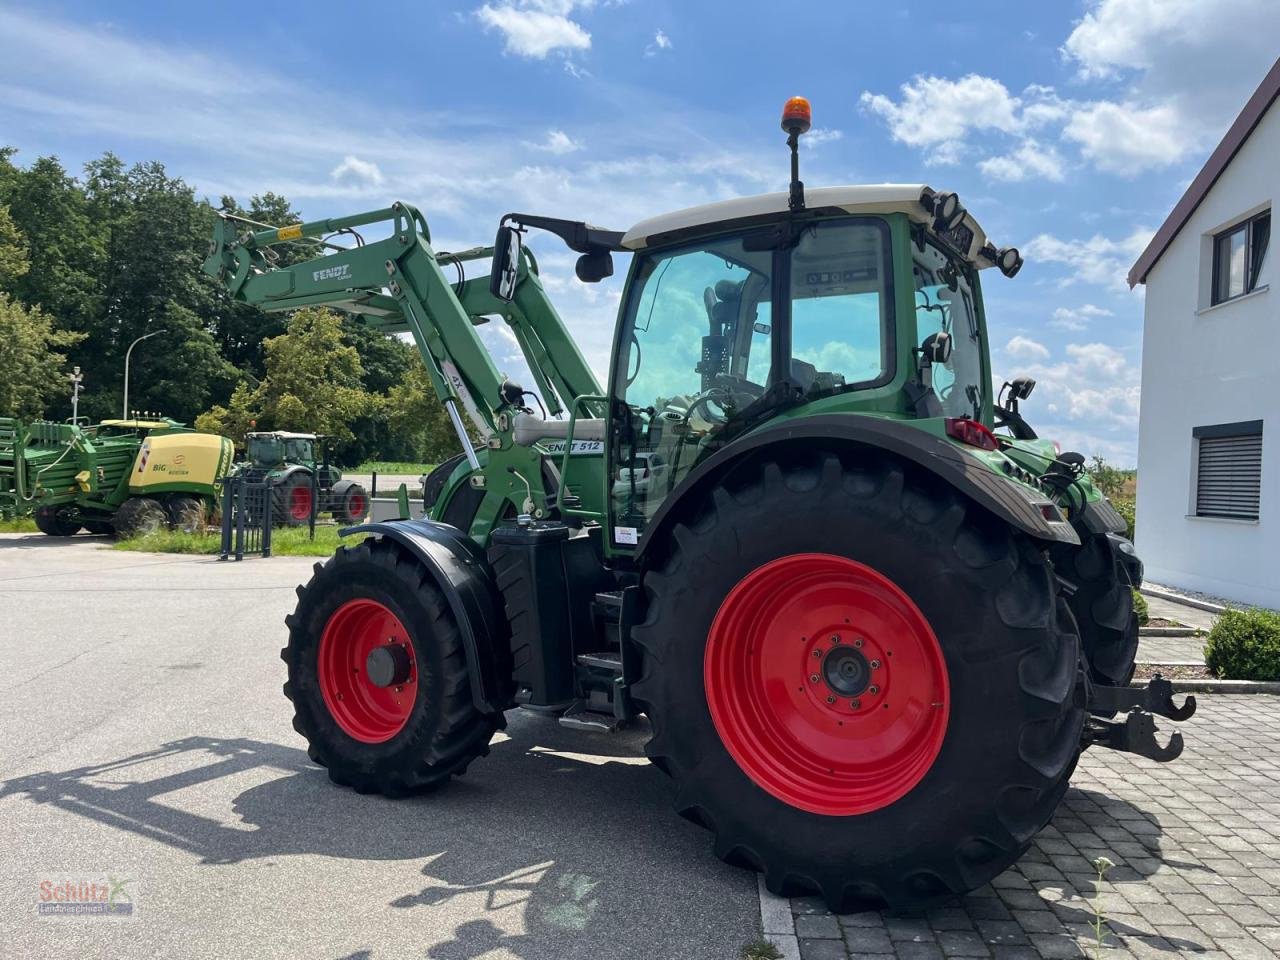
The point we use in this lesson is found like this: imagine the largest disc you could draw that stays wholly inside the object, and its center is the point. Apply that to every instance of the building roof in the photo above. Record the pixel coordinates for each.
(867, 198)
(1218, 161)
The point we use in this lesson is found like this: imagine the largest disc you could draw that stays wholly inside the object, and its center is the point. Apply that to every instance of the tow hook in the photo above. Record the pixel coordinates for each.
(1137, 732)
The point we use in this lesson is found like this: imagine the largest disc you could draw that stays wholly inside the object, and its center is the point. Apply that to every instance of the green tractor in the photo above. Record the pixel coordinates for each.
(301, 481)
(127, 477)
(872, 619)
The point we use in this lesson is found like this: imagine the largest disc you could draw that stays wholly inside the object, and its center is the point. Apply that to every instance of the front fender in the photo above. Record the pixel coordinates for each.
(1039, 518)
(460, 570)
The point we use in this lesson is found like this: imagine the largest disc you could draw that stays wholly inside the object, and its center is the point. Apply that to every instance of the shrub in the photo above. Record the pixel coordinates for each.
(1245, 645)
(1125, 505)
(1140, 608)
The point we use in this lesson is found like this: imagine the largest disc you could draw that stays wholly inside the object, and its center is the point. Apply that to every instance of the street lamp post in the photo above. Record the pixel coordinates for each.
(124, 415)
(76, 379)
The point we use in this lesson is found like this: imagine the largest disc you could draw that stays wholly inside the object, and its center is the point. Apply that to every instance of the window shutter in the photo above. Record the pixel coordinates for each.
(1229, 479)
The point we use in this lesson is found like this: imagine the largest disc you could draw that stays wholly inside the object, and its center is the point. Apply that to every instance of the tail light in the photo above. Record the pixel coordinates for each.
(971, 433)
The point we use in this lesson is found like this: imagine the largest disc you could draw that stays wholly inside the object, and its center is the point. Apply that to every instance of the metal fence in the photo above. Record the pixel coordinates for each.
(246, 517)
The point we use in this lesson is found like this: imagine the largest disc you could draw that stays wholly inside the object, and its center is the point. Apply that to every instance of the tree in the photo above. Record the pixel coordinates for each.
(30, 355)
(14, 255)
(414, 412)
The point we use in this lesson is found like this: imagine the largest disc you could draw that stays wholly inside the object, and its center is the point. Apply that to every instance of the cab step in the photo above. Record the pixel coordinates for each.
(580, 717)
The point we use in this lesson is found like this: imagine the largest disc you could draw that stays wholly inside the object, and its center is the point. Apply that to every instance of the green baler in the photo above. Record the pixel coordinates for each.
(119, 476)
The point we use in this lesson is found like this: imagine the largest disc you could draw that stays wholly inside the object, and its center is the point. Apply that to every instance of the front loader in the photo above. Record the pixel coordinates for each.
(872, 619)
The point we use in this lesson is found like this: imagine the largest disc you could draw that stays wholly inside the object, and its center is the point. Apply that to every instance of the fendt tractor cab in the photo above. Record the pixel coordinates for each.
(871, 618)
(302, 479)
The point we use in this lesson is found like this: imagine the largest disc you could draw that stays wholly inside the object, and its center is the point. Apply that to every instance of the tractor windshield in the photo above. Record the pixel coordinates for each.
(265, 451)
(698, 351)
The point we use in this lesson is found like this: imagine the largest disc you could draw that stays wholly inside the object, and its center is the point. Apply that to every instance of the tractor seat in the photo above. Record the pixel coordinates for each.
(530, 429)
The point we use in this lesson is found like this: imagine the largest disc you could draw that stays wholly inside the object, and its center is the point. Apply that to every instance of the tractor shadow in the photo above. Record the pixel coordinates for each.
(32, 541)
(551, 843)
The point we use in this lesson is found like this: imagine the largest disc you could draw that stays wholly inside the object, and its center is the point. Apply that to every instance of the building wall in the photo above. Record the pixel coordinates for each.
(1207, 365)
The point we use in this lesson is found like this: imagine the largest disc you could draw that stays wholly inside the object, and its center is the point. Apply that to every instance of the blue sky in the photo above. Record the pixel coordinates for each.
(1068, 128)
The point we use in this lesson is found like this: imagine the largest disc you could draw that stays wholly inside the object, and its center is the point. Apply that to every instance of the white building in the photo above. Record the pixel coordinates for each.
(1209, 433)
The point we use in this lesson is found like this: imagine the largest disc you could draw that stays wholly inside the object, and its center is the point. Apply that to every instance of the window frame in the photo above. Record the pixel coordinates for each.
(1248, 226)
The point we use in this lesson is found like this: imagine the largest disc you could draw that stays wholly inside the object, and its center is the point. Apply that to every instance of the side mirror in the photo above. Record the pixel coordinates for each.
(506, 263)
(594, 266)
(936, 348)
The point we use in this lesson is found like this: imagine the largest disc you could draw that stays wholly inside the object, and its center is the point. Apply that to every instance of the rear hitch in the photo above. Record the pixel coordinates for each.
(1155, 697)
(1137, 732)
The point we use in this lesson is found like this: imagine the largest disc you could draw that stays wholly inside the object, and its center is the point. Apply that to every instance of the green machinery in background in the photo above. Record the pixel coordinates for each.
(871, 617)
(302, 480)
(126, 477)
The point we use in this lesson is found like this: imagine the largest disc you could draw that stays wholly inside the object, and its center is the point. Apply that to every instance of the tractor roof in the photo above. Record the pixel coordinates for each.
(866, 198)
(283, 435)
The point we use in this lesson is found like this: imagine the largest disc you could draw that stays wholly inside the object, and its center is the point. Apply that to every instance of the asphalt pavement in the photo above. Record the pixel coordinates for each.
(145, 746)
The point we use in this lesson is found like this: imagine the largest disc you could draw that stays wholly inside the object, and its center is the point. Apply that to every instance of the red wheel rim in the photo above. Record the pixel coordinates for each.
(300, 503)
(826, 684)
(364, 711)
(356, 506)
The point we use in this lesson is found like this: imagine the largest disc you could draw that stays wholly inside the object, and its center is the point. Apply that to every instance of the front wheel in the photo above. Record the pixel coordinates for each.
(861, 683)
(56, 522)
(378, 677)
(139, 516)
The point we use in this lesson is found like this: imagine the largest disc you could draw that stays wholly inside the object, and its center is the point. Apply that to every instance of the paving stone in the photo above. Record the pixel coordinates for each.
(823, 950)
(866, 940)
(815, 926)
(1053, 947)
(962, 943)
(909, 928)
(918, 951)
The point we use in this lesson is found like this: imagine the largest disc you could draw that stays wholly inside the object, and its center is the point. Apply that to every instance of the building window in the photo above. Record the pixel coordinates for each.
(1229, 470)
(1237, 257)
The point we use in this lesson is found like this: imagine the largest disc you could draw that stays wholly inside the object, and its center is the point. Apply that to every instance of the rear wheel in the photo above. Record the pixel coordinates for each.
(139, 516)
(291, 500)
(863, 685)
(56, 522)
(1103, 607)
(353, 506)
(377, 675)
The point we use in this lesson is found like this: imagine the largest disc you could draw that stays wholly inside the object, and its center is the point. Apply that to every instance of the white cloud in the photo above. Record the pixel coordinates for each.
(817, 136)
(1030, 160)
(1127, 138)
(1098, 260)
(1024, 348)
(1076, 319)
(934, 110)
(557, 142)
(356, 171)
(536, 28)
(660, 42)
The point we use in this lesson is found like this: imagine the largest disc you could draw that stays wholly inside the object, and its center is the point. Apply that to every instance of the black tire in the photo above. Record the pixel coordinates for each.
(286, 498)
(444, 731)
(187, 514)
(139, 516)
(1011, 654)
(350, 503)
(1103, 607)
(56, 522)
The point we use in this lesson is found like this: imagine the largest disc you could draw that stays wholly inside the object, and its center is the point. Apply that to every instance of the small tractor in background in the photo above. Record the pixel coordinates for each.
(873, 620)
(122, 477)
(301, 482)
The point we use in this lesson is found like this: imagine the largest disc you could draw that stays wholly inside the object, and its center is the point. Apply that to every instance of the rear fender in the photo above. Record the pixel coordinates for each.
(941, 457)
(460, 570)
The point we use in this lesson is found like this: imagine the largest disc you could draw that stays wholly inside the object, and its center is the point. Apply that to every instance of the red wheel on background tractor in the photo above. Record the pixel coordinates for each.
(352, 504)
(291, 500)
(863, 684)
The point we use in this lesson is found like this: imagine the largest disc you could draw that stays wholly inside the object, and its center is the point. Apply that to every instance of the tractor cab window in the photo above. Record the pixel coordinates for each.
(697, 346)
(265, 451)
(840, 310)
(297, 450)
(945, 304)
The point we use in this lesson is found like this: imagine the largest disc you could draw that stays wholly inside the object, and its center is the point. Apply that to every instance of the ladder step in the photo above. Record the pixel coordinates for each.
(604, 661)
(578, 717)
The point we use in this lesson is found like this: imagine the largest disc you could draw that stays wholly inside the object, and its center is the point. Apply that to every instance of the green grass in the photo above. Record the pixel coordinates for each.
(392, 467)
(285, 542)
(18, 525)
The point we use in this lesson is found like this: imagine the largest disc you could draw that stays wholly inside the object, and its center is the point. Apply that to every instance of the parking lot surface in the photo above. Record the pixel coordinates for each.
(146, 742)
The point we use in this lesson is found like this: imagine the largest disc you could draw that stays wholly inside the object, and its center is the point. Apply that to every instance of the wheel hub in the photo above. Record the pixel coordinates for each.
(826, 684)
(846, 671)
(387, 665)
(366, 670)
